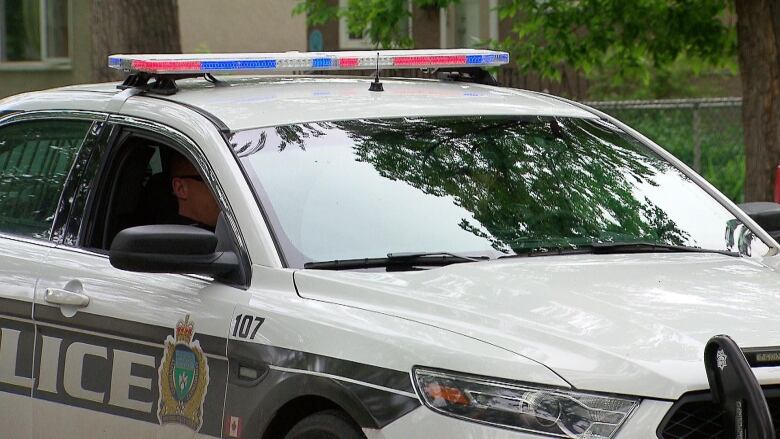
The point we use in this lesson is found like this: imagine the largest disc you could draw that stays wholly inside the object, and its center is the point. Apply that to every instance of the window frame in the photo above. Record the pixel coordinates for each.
(448, 23)
(110, 151)
(44, 36)
(62, 209)
(45, 62)
(347, 42)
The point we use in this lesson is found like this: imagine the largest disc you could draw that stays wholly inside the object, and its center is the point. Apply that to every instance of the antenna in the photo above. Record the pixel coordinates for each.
(376, 85)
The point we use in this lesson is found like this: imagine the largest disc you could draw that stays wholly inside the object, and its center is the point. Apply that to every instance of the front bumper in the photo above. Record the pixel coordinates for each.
(424, 423)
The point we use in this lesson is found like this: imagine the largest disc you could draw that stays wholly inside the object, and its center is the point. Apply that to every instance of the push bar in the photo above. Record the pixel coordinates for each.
(735, 388)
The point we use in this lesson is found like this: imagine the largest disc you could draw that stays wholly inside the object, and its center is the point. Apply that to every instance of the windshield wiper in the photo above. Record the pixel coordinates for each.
(606, 248)
(396, 261)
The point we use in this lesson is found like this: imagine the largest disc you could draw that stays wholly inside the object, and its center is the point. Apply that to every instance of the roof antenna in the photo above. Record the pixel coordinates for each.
(376, 85)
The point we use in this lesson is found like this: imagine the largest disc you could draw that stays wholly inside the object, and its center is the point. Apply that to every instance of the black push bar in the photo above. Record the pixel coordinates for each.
(735, 388)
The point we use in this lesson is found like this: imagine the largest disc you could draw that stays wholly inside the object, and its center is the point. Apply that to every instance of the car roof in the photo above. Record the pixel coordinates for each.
(252, 102)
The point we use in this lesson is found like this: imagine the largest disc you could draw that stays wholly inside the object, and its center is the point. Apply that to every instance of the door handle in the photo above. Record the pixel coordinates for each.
(58, 296)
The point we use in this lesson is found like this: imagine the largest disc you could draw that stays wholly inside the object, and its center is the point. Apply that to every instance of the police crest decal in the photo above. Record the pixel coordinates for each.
(183, 378)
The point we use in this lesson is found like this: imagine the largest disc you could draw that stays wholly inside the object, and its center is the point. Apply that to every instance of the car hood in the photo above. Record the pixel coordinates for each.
(628, 323)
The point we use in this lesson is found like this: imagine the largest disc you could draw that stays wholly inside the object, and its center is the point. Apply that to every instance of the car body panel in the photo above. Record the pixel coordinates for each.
(375, 338)
(56, 100)
(301, 335)
(280, 101)
(634, 324)
(252, 102)
(426, 423)
(99, 424)
(125, 330)
(18, 274)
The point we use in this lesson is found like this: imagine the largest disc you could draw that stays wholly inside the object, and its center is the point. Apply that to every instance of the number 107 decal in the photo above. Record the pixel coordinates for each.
(246, 326)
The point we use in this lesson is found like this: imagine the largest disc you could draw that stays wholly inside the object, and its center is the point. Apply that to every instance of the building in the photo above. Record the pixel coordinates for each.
(38, 41)
(468, 23)
(48, 43)
(241, 26)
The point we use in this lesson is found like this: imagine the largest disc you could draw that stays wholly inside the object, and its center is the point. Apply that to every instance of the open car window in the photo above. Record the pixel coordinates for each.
(133, 190)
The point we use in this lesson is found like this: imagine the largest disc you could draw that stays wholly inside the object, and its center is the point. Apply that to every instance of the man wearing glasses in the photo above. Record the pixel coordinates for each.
(197, 206)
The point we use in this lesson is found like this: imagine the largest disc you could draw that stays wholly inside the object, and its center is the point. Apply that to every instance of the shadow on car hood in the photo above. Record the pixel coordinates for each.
(627, 323)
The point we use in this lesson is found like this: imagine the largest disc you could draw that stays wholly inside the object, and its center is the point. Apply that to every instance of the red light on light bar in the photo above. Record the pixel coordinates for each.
(154, 66)
(428, 60)
(348, 62)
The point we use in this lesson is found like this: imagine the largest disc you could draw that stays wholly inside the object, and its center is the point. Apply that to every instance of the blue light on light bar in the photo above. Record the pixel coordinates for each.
(320, 63)
(243, 64)
(480, 59)
(490, 59)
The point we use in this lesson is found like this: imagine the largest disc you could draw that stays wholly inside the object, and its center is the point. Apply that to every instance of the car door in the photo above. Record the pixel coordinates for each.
(130, 355)
(37, 152)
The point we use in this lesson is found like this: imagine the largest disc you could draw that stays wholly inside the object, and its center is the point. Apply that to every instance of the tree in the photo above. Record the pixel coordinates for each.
(131, 26)
(378, 20)
(758, 31)
(627, 40)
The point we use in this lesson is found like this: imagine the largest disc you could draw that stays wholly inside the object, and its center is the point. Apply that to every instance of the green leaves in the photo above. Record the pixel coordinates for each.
(317, 12)
(628, 39)
(383, 22)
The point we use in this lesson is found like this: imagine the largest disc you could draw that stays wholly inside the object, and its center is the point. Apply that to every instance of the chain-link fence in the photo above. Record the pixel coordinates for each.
(704, 133)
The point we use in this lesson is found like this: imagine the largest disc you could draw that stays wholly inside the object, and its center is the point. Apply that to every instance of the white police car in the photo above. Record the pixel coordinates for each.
(440, 259)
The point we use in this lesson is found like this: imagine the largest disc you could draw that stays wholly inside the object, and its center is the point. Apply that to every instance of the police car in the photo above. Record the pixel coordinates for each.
(393, 258)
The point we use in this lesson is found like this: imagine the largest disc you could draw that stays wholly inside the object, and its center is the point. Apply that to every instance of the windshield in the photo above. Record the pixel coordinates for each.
(475, 186)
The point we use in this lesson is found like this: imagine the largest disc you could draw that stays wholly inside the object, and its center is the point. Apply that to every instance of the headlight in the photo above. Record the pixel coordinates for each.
(547, 411)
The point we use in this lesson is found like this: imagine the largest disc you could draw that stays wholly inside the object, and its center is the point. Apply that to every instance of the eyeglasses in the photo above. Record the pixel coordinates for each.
(191, 177)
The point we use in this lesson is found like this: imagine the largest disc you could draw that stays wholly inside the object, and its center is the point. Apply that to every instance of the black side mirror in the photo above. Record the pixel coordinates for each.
(171, 249)
(766, 214)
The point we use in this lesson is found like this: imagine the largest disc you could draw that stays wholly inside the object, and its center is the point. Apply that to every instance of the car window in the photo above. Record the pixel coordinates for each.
(136, 189)
(490, 186)
(133, 182)
(35, 158)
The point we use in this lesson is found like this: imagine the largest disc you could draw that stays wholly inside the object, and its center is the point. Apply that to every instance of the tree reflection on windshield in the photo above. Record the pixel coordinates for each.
(536, 182)
(527, 182)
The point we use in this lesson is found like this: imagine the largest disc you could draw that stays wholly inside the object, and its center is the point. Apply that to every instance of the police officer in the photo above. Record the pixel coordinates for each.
(196, 203)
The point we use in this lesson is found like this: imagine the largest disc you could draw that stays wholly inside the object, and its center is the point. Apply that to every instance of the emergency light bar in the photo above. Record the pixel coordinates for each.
(226, 63)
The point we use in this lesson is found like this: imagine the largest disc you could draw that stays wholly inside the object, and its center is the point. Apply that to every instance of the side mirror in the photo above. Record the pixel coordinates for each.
(170, 249)
(766, 214)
